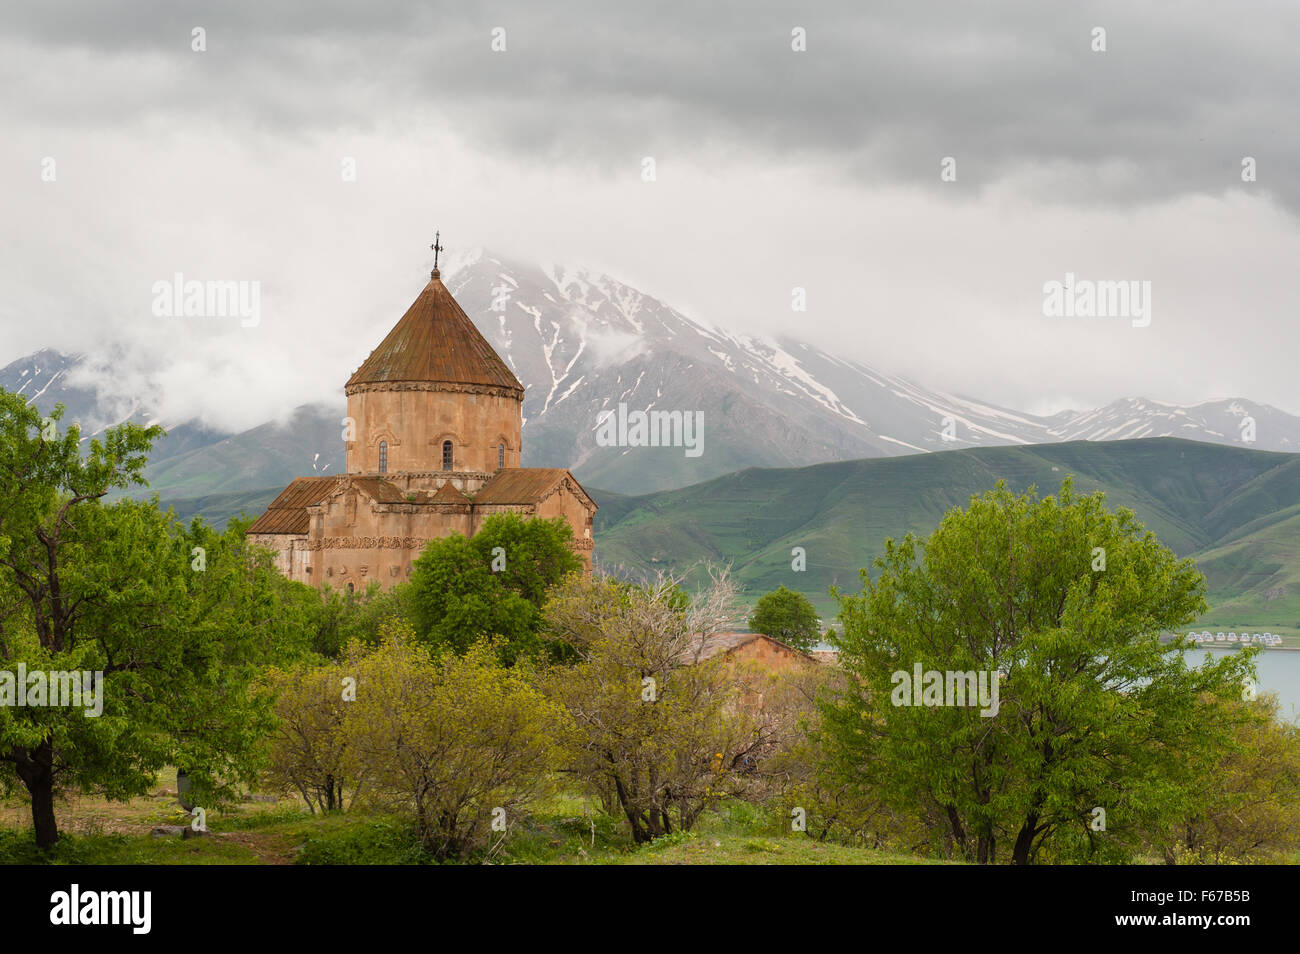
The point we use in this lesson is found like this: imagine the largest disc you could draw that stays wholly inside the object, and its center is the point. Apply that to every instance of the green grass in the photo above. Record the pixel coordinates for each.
(565, 830)
(19, 847)
(735, 834)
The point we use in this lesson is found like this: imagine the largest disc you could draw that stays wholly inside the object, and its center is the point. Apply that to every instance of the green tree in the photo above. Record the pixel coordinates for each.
(491, 584)
(788, 616)
(1095, 711)
(176, 618)
(461, 742)
(1248, 809)
(344, 616)
(309, 751)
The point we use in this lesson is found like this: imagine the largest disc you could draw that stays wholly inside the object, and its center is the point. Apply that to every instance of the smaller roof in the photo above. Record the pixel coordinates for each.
(716, 644)
(448, 494)
(379, 490)
(526, 485)
(287, 513)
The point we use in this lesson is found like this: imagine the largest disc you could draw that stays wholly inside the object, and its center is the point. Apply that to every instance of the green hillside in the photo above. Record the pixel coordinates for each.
(1254, 580)
(1237, 509)
(307, 443)
(217, 509)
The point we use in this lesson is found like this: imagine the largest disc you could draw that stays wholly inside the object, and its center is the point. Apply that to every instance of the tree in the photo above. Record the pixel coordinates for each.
(1063, 603)
(459, 741)
(657, 732)
(491, 584)
(344, 616)
(309, 750)
(1248, 805)
(788, 616)
(175, 618)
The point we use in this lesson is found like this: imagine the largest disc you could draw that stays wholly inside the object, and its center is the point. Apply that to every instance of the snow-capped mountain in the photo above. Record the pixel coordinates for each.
(44, 379)
(47, 378)
(584, 343)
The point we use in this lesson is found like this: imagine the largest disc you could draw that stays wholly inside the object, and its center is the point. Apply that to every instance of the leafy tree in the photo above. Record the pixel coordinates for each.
(460, 742)
(657, 731)
(1248, 804)
(491, 584)
(1095, 711)
(176, 618)
(344, 616)
(788, 616)
(309, 751)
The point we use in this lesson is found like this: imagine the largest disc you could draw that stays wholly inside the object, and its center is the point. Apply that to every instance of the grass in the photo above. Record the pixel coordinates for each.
(564, 830)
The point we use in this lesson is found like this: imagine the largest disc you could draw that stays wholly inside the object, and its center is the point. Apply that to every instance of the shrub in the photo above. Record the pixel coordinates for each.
(461, 743)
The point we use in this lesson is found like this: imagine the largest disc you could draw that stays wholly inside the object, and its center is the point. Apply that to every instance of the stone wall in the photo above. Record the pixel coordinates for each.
(415, 422)
(354, 540)
(359, 540)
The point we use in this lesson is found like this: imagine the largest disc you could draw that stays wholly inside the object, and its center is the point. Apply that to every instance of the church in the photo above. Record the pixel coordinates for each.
(433, 440)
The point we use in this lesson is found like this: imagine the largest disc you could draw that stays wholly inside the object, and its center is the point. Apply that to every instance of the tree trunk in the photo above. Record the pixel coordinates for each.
(1025, 840)
(36, 769)
(958, 832)
(639, 833)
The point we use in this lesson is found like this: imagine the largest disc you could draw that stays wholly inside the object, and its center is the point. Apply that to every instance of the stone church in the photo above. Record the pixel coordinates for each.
(433, 442)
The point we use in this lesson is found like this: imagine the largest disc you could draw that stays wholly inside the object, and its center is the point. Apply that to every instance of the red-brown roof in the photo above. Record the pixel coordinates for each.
(435, 342)
(379, 490)
(448, 494)
(287, 513)
(524, 485)
(721, 643)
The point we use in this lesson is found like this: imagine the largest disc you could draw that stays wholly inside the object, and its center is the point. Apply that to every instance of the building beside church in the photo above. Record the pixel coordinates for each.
(433, 446)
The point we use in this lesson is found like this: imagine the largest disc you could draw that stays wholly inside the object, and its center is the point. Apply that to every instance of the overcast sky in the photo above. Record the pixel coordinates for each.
(775, 168)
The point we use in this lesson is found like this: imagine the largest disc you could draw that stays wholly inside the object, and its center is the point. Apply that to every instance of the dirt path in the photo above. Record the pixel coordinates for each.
(270, 849)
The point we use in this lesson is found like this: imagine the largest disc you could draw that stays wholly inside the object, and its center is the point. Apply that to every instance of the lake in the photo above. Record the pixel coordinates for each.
(1279, 671)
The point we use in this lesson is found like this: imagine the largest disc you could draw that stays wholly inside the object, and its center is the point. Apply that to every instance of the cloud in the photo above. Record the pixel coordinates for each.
(775, 168)
(1010, 89)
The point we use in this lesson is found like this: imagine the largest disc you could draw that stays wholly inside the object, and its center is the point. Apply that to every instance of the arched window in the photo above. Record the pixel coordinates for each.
(501, 456)
(351, 589)
(383, 457)
(446, 455)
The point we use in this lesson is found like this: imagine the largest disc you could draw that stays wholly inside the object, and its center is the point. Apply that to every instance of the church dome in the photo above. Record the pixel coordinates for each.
(436, 347)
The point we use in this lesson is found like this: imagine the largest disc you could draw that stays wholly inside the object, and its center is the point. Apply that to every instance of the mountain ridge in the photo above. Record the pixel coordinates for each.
(582, 342)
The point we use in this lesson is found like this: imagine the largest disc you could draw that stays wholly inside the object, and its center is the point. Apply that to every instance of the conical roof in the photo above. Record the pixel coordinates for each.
(435, 343)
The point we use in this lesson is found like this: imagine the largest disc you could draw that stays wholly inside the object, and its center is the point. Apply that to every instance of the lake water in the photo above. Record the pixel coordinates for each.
(1279, 671)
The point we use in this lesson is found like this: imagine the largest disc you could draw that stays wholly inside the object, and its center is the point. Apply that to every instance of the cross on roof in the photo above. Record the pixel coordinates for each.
(436, 248)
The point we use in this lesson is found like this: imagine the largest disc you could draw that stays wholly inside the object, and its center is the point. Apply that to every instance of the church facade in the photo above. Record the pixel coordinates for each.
(433, 442)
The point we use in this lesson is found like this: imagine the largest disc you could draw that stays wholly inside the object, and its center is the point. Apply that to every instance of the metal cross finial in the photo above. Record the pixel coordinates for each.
(436, 248)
